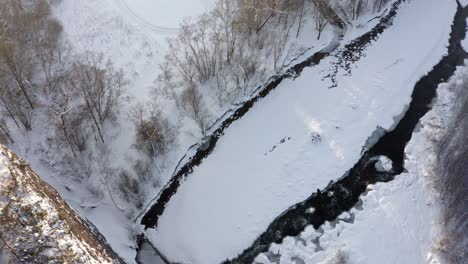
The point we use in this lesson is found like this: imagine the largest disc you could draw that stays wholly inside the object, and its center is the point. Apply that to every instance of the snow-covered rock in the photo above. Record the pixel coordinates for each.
(37, 226)
(384, 164)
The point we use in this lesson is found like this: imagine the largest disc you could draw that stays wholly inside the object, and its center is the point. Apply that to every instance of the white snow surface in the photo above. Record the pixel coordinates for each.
(166, 14)
(107, 26)
(465, 41)
(230, 199)
(397, 222)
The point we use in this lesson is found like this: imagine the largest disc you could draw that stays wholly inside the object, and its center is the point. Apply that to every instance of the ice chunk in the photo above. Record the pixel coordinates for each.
(384, 164)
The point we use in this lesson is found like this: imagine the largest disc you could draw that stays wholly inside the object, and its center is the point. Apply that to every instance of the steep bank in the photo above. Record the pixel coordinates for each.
(37, 226)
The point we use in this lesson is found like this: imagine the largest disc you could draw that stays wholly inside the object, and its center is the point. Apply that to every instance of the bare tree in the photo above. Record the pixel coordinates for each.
(225, 49)
(154, 134)
(279, 46)
(16, 107)
(193, 103)
(167, 81)
(23, 27)
(131, 190)
(5, 136)
(17, 63)
(379, 4)
(321, 21)
(48, 50)
(257, 14)
(27, 36)
(225, 12)
(244, 67)
(71, 124)
(101, 87)
(198, 49)
(5, 103)
(301, 16)
(221, 89)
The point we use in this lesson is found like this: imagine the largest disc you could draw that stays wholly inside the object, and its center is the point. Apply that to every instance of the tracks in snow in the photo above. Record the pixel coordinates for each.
(141, 21)
(150, 219)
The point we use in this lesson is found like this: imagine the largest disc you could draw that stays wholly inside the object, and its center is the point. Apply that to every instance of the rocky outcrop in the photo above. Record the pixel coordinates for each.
(38, 226)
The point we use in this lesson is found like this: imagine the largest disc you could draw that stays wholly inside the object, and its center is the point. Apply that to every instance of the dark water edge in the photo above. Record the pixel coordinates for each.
(147, 253)
(350, 53)
(150, 219)
(343, 195)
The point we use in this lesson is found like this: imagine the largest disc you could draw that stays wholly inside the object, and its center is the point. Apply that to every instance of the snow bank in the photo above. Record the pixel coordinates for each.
(394, 225)
(397, 222)
(230, 199)
(465, 41)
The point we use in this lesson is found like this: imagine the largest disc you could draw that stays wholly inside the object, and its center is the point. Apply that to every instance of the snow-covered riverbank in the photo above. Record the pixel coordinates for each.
(396, 222)
(250, 186)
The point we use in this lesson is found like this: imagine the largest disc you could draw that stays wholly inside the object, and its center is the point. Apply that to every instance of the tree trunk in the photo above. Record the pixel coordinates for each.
(90, 110)
(300, 19)
(25, 93)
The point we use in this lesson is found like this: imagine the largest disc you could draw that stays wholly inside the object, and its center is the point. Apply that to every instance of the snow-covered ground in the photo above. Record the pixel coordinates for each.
(465, 41)
(165, 14)
(397, 222)
(251, 177)
(107, 27)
